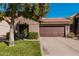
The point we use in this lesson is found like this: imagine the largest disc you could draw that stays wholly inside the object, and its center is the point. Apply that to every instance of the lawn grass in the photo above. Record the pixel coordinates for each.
(21, 48)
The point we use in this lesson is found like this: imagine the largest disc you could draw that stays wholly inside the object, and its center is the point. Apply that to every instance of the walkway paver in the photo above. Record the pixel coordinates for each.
(59, 46)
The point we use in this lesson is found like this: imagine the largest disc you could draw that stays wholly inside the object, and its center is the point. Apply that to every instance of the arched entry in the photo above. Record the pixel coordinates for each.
(22, 30)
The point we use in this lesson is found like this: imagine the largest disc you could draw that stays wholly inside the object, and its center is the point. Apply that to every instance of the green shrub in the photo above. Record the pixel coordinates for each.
(25, 33)
(32, 35)
(71, 35)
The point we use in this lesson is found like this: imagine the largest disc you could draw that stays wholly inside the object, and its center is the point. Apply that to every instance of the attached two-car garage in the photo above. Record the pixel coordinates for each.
(54, 27)
(52, 31)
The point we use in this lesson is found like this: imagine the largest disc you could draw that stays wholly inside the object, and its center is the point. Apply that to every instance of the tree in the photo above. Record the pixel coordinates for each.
(14, 10)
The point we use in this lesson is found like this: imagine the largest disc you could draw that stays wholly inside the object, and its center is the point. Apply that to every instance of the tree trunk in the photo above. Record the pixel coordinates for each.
(11, 35)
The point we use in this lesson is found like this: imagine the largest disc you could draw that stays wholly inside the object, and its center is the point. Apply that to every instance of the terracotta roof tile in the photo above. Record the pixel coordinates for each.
(55, 21)
(23, 20)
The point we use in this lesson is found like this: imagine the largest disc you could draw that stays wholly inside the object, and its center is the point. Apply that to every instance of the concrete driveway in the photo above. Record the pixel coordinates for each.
(59, 46)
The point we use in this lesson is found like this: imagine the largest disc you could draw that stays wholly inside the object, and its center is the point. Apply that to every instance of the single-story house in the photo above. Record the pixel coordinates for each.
(48, 27)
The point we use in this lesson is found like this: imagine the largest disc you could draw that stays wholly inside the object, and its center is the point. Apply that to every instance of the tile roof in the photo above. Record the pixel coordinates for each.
(23, 20)
(55, 21)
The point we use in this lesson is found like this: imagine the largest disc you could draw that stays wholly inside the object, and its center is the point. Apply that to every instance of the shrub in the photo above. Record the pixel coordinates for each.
(32, 35)
(71, 35)
(25, 33)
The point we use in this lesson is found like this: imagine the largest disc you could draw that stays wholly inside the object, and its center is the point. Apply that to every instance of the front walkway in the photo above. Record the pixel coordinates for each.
(58, 46)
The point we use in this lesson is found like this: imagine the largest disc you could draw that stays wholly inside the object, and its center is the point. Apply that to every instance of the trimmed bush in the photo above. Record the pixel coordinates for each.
(71, 35)
(32, 35)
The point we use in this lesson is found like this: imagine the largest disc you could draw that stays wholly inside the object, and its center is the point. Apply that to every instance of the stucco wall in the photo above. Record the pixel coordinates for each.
(34, 28)
(67, 30)
(4, 28)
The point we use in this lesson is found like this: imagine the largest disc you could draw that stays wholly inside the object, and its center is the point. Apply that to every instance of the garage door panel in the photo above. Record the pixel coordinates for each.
(51, 31)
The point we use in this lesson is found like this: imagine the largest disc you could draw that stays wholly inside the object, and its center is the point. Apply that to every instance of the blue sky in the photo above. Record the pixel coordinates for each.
(2, 8)
(59, 10)
(62, 10)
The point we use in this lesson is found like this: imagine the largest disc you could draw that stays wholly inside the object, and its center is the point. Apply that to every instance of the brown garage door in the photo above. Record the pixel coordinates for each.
(51, 31)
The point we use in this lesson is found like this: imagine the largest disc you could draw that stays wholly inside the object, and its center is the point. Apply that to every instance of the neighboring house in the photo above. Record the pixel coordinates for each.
(76, 20)
(48, 27)
(75, 24)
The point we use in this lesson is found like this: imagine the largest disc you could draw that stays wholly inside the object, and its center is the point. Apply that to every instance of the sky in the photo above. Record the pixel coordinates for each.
(3, 7)
(62, 10)
(59, 10)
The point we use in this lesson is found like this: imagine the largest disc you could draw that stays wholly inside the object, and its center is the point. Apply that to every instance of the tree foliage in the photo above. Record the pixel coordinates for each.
(28, 10)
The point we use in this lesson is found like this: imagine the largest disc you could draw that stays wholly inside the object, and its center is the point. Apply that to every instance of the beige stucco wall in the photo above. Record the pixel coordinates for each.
(34, 28)
(67, 30)
(33, 25)
(4, 28)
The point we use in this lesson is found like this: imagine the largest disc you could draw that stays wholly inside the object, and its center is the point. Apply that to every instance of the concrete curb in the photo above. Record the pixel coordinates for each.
(42, 53)
(31, 39)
